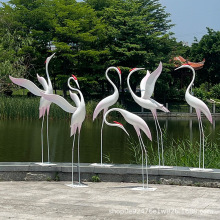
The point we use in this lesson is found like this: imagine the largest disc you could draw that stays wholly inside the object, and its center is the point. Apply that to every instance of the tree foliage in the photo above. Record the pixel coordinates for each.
(215, 91)
(137, 36)
(92, 35)
(209, 48)
(87, 36)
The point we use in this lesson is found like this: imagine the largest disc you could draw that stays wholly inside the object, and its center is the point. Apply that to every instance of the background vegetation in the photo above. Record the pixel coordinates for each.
(92, 35)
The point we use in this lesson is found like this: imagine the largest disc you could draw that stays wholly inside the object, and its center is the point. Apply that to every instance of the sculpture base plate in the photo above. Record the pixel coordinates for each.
(77, 185)
(144, 189)
(201, 169)
(101, 165)
(161, 167)
(46, 164)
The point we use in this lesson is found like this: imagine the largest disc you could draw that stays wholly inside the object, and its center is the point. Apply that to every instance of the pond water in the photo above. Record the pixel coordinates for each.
(20, 140)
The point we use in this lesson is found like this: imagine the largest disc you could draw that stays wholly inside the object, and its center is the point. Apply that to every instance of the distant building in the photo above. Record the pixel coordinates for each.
(181, 61)
(51, 46)
(182, 73)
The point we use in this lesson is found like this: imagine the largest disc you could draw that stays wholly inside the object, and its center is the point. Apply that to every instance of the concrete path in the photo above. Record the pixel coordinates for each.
(105, 200)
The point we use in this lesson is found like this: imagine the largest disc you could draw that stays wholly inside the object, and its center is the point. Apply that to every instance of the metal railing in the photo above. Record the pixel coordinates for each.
(174, 107)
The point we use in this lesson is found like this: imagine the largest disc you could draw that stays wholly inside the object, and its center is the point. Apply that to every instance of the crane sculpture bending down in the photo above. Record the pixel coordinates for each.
(199, 106)
(78, 116)
(146, 102)
(139, 125)
(104, 104)
(44, 104)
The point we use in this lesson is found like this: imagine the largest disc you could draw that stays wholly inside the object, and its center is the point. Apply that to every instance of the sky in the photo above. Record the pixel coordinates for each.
(191, 17)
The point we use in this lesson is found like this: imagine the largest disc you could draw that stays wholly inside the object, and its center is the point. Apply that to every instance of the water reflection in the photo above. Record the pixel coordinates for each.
(20, 139)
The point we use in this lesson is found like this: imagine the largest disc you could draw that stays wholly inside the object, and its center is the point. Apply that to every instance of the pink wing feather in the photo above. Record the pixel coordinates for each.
(150, 84)
(143, 83)
(98, 109)
(60, 101)
(27, 84)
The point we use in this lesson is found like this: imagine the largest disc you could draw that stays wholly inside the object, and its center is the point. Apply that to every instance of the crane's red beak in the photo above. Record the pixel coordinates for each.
(119, 70)
(132, 69)
(74, 77)
(118, 123)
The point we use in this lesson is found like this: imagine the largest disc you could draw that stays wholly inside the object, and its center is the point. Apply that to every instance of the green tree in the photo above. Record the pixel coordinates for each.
(19, 38)
(136, 34)
(78, 38)
(209, 48)
(14, 57)
(215, 91)
(89, 36)
(71, 26)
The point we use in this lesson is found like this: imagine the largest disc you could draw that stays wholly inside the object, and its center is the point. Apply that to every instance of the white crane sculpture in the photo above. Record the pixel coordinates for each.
(199, 106)
(44, 104)
(139, 125)
(78, 116)
(104, 104)
(146, 102)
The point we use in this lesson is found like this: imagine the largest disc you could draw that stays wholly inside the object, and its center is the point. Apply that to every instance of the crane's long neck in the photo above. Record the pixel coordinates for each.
(116, 124)
(114, 86)
(81, 96)
(190, 85)
(129, 87)
(111, 110)
(105, 116)
(74, 89)
(48, 77)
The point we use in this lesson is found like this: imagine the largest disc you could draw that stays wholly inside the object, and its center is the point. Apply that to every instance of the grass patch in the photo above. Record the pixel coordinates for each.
(178, 153)
(23, 107)
(95, 178)
(26, 108)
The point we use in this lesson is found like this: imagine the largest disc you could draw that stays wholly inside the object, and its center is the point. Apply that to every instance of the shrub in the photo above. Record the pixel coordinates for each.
(200, 93)
(215, 91)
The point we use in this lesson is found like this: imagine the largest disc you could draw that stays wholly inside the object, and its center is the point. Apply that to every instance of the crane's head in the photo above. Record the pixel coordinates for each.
(117, 124)
(117, 70)
(49, 58)
(135, 69)
(73, 77)
(187, 65)
(119, 73)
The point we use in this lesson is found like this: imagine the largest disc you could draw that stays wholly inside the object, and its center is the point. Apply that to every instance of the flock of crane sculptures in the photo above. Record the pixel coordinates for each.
(79, 112)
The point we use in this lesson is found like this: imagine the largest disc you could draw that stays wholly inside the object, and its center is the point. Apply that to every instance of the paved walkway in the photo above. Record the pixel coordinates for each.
(105, 200)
